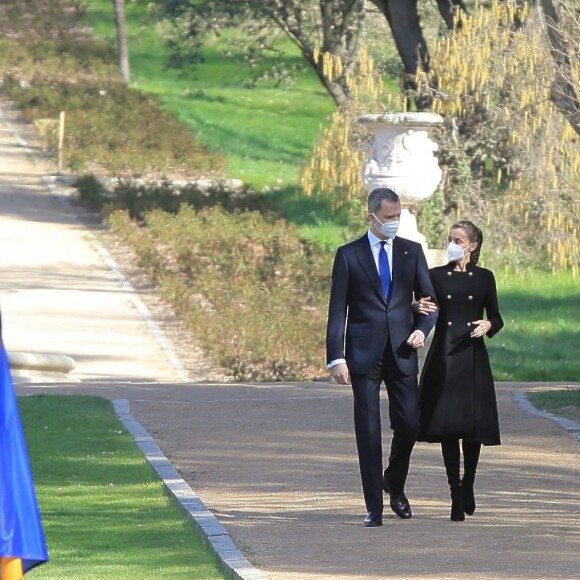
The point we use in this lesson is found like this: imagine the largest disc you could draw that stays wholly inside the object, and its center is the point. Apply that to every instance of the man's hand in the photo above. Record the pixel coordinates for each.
(416, 340)
(425, 306)
(340, 374)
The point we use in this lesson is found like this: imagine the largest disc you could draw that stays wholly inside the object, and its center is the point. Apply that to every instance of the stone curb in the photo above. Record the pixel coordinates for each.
(28, 367)
(572, 427)
(210, 528)
(54, 363)
(110, 183)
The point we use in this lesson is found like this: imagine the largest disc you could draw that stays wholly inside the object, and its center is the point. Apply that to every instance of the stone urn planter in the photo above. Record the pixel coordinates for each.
(401, 157)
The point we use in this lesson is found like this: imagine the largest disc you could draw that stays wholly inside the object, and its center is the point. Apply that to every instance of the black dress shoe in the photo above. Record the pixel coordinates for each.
(373, 520)
(401, 506)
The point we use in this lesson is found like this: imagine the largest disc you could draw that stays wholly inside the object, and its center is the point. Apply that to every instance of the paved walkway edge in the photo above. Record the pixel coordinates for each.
(572, 427)
(209, 526)
(49, 183)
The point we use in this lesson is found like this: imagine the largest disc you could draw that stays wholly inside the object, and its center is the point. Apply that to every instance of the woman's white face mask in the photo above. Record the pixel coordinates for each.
(455, 252)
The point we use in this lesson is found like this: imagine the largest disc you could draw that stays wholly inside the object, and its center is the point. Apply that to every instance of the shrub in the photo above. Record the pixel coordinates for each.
(253, 293)
(139, 199)
(91, 191)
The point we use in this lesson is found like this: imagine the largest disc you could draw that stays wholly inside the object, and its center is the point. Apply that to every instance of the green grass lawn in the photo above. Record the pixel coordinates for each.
(540, 340)
(561, 402)
(265, 132)
(555, 399)
(105, 512)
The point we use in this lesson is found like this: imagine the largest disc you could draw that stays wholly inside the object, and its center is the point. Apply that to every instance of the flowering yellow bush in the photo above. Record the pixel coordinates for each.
(506, 70)
(491, 81)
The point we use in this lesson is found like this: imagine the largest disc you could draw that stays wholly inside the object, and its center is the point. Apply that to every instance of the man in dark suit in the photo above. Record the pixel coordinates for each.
(372, 336)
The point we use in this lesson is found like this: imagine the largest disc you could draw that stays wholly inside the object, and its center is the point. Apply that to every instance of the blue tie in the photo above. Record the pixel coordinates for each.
(384, 272)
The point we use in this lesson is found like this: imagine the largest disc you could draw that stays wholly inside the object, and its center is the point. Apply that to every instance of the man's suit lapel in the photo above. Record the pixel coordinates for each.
(364, 255)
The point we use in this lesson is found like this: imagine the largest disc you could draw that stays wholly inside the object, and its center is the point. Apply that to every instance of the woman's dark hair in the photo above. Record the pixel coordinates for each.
(474, 234)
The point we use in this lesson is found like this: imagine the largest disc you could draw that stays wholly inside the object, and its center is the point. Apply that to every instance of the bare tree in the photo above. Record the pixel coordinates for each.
(123, 51)
(332, 26)
(340, 24)
(336, 26)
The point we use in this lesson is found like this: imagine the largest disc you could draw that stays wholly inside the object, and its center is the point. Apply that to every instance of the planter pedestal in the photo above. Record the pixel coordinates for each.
(401, 158)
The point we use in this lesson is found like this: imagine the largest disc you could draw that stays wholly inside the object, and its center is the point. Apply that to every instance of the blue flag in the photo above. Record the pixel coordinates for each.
(21, 534)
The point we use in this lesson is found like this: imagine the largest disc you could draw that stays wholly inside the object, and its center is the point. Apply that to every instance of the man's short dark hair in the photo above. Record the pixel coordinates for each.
(378, 195)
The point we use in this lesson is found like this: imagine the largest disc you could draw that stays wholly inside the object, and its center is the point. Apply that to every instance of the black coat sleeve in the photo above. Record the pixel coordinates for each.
(423, 288)
(492, 307)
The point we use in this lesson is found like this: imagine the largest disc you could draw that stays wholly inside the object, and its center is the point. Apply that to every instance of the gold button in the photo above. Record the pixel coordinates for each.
(448, 296)
(470, 297)
(449, 323)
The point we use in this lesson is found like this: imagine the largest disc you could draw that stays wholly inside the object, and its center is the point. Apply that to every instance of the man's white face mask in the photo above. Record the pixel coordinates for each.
(388, 229)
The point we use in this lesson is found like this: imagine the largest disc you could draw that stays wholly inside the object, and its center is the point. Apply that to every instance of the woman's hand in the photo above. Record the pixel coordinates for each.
(481, 328)
(425, 306)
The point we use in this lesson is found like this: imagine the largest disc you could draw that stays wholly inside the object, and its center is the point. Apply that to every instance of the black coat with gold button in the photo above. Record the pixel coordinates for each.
(457, 393)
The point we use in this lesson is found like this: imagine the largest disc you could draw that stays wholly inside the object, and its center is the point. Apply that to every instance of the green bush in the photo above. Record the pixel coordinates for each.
(91, 191)
(138, 200)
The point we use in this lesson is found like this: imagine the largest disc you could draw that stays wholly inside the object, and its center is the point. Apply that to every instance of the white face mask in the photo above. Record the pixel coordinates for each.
(388, 229)
(455, 252)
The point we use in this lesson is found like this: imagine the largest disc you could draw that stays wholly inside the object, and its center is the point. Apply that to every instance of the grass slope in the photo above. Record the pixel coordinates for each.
(540, 340)
(561, 402)
(104, 511)
(265, 132)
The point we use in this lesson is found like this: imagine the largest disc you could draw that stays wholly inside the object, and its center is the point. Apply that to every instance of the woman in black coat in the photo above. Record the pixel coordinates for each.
(457, 392)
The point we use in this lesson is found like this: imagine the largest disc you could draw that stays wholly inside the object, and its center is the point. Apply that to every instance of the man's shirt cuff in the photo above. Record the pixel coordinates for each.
(335, 362)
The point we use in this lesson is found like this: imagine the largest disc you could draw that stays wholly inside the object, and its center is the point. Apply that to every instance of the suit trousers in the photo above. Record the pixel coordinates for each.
(403, 396)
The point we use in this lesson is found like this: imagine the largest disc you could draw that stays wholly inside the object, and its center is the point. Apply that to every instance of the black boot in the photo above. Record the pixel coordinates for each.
(471, 451)
(450, 450)
(457, 507)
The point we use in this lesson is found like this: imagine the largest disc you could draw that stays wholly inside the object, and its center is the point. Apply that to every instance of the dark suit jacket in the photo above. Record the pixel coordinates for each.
(359, 319)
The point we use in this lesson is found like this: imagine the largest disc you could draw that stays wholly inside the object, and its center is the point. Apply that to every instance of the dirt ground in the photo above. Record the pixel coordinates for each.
(277, 465)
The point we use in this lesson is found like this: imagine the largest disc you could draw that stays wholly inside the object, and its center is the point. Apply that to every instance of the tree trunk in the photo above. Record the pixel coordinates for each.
(123, 51)
(563, 93)
(337, 88)
(341, 25)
